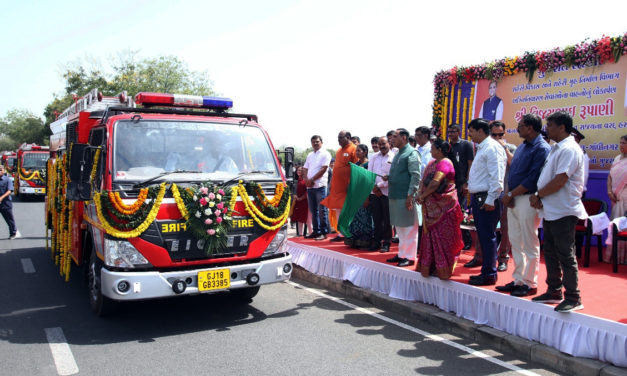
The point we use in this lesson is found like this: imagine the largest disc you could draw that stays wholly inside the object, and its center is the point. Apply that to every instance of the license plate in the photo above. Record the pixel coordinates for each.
(218, 279)
(40, 190)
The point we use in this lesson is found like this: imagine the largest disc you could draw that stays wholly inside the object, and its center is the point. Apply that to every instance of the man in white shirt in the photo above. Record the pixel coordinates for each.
(485, 184)
(316, 166)
(423, 146)
(558, 201)
(380, 163)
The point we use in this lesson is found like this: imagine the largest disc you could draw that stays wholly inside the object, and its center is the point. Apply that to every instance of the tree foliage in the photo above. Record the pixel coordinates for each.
(20, 126)
(164, 74)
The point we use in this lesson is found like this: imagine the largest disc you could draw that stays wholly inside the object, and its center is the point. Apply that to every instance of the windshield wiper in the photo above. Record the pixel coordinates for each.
(149, 180)
(266, 172)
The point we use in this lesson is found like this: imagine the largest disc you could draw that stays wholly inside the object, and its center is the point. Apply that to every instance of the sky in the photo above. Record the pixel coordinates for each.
(304, 67)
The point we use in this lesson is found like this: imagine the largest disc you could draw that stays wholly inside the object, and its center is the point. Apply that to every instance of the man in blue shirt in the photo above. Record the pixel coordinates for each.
(6, 206)
(523, 220)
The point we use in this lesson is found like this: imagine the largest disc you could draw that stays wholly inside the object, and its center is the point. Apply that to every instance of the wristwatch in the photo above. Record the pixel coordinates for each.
(537, 195)
(509, 194)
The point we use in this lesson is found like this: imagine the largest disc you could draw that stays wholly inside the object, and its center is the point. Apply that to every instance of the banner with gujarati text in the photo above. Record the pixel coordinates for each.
(594, 96)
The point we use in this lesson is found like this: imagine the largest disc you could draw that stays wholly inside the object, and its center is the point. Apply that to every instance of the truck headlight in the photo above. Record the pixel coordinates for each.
(24, 183)
(277, 244)
(122, 254)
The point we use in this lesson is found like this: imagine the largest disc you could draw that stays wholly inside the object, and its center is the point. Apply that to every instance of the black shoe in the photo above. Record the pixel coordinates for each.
(337, 239)
(393, 259)
(467, 246)
(395, 240)
(502, 266)
(321, 237)
(482, 280)
(405, 262)
(313, 235)
(472, 263)
(508, 287)
(385, 248)
(549, 297)
(569, 305)
(524, 290)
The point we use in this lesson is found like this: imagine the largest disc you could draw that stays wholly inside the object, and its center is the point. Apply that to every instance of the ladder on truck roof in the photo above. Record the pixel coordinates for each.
(92, 101)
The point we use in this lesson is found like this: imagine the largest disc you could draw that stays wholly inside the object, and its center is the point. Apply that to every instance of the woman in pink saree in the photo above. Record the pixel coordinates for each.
(617, 192)
(442, 238)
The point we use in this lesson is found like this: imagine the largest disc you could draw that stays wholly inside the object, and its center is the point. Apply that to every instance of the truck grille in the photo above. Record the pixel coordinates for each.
(181, 245)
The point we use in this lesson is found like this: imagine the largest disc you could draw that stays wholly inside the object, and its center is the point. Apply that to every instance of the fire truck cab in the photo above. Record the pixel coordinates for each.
(115, 150)
(30, 170)
(9, 161)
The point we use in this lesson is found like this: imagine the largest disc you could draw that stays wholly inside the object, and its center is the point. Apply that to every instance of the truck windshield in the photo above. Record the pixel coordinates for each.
(216, 151)
(34, 160)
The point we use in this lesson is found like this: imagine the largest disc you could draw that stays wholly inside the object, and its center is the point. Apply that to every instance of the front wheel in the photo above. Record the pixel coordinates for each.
(245, 294)
(100, 304)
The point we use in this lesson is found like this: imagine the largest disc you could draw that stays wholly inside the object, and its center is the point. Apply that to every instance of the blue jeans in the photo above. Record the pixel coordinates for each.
(318, 212)
(485, 223)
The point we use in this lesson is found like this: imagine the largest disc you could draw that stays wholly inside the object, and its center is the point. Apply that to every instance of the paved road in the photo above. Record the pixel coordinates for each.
(47, 328)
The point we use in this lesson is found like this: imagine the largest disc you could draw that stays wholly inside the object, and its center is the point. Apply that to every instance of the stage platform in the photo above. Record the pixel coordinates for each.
(599, 331)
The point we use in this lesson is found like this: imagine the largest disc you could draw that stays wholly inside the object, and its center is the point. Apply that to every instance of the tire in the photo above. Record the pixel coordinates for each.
(245, 294)
(100, 305)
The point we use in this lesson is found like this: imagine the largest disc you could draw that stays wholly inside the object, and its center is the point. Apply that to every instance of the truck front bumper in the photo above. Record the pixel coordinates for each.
(153, 284)
(32, 191)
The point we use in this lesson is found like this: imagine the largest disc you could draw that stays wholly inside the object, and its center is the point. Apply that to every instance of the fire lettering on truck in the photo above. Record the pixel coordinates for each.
(243, 222)
(173, 227)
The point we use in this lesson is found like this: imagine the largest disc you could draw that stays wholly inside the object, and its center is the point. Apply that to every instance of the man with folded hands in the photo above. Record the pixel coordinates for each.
(523, 220)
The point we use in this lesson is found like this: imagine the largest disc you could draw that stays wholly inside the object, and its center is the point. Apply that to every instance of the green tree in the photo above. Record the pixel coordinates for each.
(21, 126)
(164, 74)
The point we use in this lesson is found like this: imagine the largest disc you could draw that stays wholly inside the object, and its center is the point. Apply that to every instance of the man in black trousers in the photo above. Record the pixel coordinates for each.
(6, 206)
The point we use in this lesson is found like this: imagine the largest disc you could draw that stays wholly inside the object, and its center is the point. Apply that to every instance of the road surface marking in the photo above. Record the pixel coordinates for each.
(27, 265)
(63, 358)
(423, 333)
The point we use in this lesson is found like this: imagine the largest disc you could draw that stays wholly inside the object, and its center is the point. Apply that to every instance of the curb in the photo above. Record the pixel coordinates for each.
(482, 334)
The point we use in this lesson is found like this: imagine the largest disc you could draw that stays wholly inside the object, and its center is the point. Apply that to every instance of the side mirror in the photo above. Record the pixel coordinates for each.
(81, 160)
(14, 163)
(289, 163)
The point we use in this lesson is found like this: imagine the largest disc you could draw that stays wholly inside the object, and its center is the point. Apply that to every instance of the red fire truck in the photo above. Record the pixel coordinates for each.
(30, 170)
(175, 197)
(8, 161)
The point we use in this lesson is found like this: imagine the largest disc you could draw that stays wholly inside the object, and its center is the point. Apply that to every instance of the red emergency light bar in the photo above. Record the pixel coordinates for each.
(183, 100)
(34, 147)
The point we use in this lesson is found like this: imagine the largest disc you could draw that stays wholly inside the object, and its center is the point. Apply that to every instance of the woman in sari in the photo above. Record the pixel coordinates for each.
(617, 192)
(442, 238)
(362, 226)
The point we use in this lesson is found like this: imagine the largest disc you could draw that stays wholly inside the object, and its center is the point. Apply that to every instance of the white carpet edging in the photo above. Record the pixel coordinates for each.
(572, 333)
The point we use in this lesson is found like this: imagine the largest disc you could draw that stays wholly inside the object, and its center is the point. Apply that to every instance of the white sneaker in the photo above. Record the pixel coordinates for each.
(17, 235)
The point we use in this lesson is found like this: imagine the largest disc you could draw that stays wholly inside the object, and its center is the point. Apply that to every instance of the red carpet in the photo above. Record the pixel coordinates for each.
(603, 292)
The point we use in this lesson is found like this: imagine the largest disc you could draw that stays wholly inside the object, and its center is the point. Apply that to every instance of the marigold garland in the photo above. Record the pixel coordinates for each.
(121, 207)
(464, 113)
(30, 175)
(179, 201)
(458, 104)
(94, 167)
(277, 195)
(152, 214)
(259, 216)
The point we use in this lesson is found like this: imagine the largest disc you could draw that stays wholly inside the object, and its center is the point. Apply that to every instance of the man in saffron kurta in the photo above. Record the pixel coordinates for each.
(341, 176)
